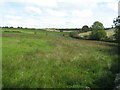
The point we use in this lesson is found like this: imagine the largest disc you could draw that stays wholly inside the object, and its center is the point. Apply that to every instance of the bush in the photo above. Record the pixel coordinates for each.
(74, 35)
(98, 32)
(98, 35)
(86, 36)
(110, 39)
(117, 34)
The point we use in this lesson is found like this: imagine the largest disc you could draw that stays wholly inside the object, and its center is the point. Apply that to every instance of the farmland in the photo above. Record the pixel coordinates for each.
(44, 59)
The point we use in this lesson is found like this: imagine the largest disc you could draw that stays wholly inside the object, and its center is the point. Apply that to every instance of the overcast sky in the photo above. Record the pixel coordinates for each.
(57, 13)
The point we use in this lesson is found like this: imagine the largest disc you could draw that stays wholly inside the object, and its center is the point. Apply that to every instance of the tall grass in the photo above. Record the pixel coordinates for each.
(58, 63)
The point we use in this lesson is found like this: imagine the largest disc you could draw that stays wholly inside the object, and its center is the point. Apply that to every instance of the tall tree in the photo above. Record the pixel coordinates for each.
(98, 32)
(97, 26)
(85, 28)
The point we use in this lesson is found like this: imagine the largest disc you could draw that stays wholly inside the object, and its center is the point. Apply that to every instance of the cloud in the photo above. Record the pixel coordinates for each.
(86, 1)
(113, 6)
(56, 13)
(46, 3)
(82, 13)
(12, 17)
(34, 9)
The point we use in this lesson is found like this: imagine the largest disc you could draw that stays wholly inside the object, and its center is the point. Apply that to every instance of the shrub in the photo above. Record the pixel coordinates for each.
(98, 35)
(110, 38)
(74, 35)
(98, 32)
(86, 36)
(117, 34)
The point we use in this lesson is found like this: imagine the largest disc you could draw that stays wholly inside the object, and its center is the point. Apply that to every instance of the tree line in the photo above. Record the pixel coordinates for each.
(97, 33)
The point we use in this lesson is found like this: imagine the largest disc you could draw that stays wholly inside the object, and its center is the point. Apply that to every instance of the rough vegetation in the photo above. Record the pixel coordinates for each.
(52, 61)
(117, 82)
(117, 34)
(96, 32)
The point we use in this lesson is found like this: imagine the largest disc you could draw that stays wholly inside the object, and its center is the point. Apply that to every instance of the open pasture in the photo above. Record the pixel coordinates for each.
(37, 60)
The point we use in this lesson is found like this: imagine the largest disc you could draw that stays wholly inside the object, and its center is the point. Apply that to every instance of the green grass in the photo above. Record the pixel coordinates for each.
(57, 62)
(32, 32)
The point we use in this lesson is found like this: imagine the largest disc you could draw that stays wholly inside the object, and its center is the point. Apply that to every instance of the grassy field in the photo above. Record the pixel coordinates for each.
(33, 60)
(33, 32)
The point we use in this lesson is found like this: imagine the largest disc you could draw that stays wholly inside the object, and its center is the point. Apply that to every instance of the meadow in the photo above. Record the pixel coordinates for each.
(44, 59)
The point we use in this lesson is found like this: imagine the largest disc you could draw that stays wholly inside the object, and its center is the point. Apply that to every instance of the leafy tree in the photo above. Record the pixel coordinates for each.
(98, 32)
(6, 27)
(90, 28)
(97, 26)
(11, 27)
(85, 28)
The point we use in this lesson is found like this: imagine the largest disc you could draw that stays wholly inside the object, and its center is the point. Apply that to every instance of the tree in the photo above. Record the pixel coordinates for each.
(98, 32)
(11, 27)
(97, 26)
(85, 28)
(6, 27)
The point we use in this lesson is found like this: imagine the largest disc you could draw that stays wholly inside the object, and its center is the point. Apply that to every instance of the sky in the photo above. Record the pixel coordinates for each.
(57, 13)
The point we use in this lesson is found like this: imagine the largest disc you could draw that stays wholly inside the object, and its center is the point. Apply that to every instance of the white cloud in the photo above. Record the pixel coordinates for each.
(34, 9)
(86, 1)
(56, 13)
(46, 3)
(113, 6)
(12, 17)
(82, 13)
(2, 2)
(12, 22)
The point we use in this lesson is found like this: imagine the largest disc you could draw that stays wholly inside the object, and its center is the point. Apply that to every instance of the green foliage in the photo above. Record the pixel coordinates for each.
(98, 32)
(97, 26)
(117, 34)
(85, 28)
(69, 29)
(90, 29)
(98, 35)
(109, 39)
(74, 35)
